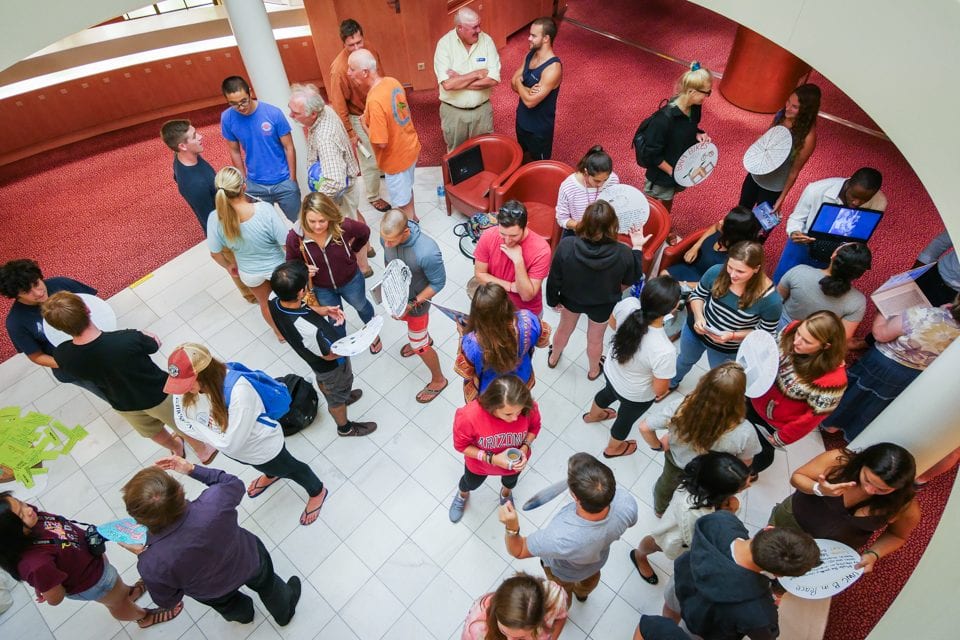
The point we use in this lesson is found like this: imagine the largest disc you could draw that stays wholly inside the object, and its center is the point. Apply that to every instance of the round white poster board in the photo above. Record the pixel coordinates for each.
(836, 572)
(696, 164)
(356, 343)
(101, 314)
(760, 359)
(395, 287)
(769, 151)
(631, 205)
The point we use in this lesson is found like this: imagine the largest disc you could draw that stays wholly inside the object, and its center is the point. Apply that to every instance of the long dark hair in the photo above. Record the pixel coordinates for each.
(739, 225)
(851, 261)
(892, 463)
(713, 477)
(13, 540)
(809, 97)
(658, 298)
(493, 322)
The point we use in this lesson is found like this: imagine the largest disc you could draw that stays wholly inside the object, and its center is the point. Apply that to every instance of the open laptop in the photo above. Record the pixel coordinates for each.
(836, 224)
(465, 164)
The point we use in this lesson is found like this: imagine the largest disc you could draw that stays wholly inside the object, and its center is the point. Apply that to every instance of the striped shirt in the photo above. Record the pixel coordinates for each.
(573, 197)
(724, 314)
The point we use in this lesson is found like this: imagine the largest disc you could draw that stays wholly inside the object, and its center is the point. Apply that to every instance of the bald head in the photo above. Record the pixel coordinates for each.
(466, 16)
(362, 60)
(393, 224)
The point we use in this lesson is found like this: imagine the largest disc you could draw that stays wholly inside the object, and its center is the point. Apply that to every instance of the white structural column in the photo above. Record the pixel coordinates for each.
(258, 48)
(925, 418)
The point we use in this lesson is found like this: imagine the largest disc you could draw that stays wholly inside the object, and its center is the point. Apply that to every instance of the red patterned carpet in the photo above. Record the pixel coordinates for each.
(106, 211)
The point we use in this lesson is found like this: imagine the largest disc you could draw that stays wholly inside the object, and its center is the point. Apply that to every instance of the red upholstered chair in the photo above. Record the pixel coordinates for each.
(658, 225)
(501, 157)
(536, 185)
(674, 255)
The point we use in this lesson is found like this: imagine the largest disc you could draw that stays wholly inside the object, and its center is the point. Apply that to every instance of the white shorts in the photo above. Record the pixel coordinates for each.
(253, 279)
(400, 186)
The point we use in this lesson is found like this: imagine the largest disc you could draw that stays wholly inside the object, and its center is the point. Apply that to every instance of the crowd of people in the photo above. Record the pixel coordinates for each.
(715, 441)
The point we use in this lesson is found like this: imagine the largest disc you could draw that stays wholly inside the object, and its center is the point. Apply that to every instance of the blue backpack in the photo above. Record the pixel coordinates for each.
(275, 395)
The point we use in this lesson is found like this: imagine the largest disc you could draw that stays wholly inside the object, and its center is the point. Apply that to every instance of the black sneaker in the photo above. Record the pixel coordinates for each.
(357, 429)
(294, 585)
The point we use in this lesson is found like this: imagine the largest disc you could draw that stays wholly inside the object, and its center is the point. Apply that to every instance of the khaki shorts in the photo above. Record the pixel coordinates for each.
(336, 385)
(150, 422)
(350, 201)
(660, 192)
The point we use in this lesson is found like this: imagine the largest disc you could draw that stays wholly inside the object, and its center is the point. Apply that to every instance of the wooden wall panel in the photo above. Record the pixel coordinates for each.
(74, 110)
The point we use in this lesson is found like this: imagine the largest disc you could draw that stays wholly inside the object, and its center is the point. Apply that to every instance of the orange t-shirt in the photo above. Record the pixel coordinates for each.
(388, 119)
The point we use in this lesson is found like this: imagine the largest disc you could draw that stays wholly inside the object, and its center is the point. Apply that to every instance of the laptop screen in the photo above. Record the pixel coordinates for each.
(846, 222)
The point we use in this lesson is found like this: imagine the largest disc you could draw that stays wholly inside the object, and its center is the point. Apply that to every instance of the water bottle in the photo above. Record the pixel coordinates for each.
(441, 197)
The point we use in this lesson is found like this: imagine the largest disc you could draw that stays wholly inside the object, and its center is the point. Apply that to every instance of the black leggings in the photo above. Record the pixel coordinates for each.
(628, 414)
(284, 465)
(765, 458)
(752, 194)
(471, 481)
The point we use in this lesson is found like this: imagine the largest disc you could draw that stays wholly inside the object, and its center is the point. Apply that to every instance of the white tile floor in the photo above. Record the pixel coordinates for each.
(383, 560)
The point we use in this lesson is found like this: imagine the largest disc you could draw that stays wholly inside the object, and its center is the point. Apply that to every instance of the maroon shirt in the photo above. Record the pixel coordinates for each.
(45, 566)
(337, 262)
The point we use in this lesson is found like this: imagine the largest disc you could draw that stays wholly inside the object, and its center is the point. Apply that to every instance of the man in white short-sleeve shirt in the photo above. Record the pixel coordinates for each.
(575, 545)
(468, 67)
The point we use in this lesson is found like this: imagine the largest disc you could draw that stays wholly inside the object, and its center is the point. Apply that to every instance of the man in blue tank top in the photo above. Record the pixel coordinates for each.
(537, 83)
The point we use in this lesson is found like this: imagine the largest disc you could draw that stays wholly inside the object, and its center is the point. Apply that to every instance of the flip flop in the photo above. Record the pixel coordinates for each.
(629, 448)
(406, 351)
(429, 394)
(156, 616)
(255, 488)
(210, 458)
(376, 347)
(380, 205)
(648, 579)
(309, 516)
(355, 395)
(137, 590)
(593, 377)
(550, 355)
(609, 414)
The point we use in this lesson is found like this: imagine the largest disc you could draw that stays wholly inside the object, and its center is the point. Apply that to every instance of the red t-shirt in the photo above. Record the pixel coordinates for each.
(44, 566)
(473, 425)
(536, 256)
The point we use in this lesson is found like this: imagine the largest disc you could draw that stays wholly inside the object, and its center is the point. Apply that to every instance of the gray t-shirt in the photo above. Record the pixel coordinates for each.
(740, 441)
(575, 548)
(805, 296)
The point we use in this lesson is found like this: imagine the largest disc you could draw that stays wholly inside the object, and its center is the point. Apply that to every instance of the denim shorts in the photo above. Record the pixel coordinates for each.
(104, 585)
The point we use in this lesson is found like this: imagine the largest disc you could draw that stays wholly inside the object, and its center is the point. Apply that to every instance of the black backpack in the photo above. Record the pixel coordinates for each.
(303, 405)
(639, 142)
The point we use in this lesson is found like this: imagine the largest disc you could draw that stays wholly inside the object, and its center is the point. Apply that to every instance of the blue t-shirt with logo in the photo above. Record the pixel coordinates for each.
(259, 135)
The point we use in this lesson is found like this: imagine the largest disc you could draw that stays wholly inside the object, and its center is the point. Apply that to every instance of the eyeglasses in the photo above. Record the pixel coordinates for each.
(242, 104)
(707, 93)
(512, 210)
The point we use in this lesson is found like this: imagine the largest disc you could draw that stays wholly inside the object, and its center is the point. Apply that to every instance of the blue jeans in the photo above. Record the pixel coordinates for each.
(691, 348)
(103, 586)
(794, 254)
(286, 194)
(354, 292)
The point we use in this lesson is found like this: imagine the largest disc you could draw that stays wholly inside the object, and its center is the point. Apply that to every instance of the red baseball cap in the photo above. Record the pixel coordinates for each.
(183, 366)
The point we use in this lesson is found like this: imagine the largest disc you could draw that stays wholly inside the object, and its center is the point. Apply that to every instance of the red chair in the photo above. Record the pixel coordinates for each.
(501, 157)
(536, 185)
(674, 255)
(658, 225)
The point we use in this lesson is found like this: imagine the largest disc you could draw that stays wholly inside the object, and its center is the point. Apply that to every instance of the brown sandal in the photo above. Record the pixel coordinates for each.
(255, 488)
(629, 448)
(157, 616)
(608, 414)
(137, 591)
